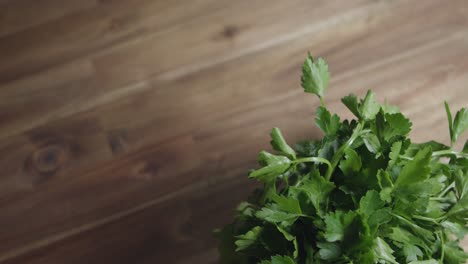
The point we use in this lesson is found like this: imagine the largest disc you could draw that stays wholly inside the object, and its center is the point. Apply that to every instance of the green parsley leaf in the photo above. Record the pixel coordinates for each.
(276, 217)
(461, 184)
(383, 251)
(394, 153)
(369, 107)
(287, 204)
(460, 124)
(379, 217)
(336, 225)
(278, 260)
(454, 254)
(370, 203)
(390, 109)
(352, 162)
(328, 251)
(326, 122)
(315, 76)
(398, 125)
(416, 170)
(372, 143)
(351, 102)
(317, 189)
(430, 261)
(227, 247)
(364, 193)
(279, 144)
(455, 228)
(384, 179)
(450, 120)
(273, 167)
(412, 252)
(248, 239)
(460, 209)
(406, 237)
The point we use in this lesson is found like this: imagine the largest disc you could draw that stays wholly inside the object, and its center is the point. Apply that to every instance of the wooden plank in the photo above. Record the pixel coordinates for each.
(34, 101)
(211, 131)
(50, 153)
(238, 94)
(17, 15)
(149, 177)
(109, 85)
(112, 81)
(73, 83)
(177, 231)
(224, 35)
(78, 34)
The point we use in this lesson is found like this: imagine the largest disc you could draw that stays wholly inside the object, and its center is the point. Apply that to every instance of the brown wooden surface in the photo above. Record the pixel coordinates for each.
(126, 127)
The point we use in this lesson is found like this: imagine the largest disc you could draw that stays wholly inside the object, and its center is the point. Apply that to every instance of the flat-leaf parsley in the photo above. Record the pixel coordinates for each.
(362, 194)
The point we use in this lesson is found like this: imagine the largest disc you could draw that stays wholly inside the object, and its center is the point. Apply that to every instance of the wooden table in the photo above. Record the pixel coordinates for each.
(127, 126)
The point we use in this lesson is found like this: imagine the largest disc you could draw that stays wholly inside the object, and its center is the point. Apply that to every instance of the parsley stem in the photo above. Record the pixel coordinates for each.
(449, 152)
(420, 217)
(452, 185)
(313, 159)
(451, 212)
(440, 199)
(307, 216)
(442, 242)
(340, 152)
(409, 223)
(405, 157)
(441, 153)
(322, 102)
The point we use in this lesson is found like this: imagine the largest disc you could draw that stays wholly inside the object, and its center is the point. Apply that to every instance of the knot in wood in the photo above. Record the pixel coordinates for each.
(49, 158)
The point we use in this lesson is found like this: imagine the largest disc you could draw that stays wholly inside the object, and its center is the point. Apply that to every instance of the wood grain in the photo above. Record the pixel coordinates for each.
(181, 224)
(13, 13)
(115, 70)
(126, 127)
(91, 30)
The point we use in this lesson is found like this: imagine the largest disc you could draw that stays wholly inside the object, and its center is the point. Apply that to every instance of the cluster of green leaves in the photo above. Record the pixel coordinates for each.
(363, 194)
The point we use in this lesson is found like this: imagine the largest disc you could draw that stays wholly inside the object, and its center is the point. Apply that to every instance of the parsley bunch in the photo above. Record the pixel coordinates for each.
(363, 194)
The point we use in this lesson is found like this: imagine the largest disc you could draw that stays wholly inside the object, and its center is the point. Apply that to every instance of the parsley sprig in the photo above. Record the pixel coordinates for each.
(364, 193)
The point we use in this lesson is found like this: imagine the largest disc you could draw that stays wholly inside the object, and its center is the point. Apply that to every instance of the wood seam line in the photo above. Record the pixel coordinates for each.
(170, 76)
(98, 223)
(174, 74)
(381, 63)
(93, 5)
(118, 42)
(351, 15)
(79, 108)
(404, 54)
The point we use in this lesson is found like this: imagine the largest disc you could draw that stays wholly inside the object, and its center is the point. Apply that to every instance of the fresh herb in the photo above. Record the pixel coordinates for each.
(363, 194)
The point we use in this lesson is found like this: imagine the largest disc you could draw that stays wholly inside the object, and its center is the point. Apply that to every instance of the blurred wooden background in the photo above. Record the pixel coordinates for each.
(127, 126)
